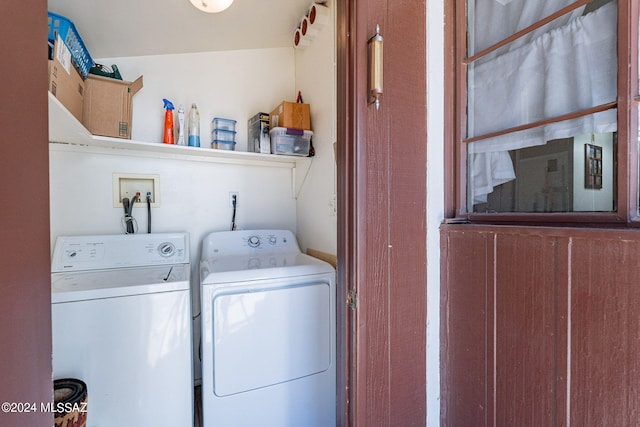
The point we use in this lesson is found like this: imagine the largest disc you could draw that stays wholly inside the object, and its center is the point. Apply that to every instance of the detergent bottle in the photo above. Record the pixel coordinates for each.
(168, 137)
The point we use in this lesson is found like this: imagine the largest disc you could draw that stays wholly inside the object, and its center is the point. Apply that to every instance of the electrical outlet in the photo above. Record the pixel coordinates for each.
(231, 194)
(333, 205)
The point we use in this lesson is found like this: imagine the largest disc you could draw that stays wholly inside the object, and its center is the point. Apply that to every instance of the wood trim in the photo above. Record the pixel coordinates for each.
(527, 30)
(568, 116)
(628, 15)
(461, 106)
(345, 169)
(451, 137)
(323, 256)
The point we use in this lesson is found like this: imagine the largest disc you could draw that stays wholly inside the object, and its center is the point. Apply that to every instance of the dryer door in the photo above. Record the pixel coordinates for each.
(268, 336)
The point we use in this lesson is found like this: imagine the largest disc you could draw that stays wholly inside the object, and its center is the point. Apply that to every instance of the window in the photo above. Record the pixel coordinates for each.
(546, 117)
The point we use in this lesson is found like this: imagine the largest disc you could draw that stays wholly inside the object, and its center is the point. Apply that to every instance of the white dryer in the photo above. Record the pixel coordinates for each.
(268, 332)
(121, 317)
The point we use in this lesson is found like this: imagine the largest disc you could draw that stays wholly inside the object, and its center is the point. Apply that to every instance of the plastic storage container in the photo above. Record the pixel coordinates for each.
(224, 124)
(59, 25)
(223, 145)
(223, 135)
(292, 142)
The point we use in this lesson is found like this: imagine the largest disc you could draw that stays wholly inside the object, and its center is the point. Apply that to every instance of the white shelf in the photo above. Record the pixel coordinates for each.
(64, 128)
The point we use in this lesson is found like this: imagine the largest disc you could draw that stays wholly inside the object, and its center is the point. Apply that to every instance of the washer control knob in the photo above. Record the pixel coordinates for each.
(254, 241)
(166, 249)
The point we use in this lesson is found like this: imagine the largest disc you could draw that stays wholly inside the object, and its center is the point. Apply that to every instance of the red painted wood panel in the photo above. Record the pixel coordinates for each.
(404, 103)
(561, 341)
(605, 331)
(522, 374)
(25, 284)
(464, 329)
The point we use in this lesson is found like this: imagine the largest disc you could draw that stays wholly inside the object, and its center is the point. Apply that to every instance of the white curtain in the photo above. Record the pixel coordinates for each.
(567, 69)
(495, 20)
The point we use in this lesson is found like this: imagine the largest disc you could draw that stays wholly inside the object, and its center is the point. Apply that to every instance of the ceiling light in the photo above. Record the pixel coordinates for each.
(211, 6)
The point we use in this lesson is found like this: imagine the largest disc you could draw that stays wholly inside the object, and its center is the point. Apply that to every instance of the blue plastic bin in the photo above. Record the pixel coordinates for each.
(59, 25)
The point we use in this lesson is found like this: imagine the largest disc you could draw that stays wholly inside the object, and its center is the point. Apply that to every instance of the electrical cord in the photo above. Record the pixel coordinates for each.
(233, 218)
(148, 212)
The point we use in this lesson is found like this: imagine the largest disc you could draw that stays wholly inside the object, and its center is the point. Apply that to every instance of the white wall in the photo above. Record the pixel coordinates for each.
(316, 79)
(435, 201)
(228, 84)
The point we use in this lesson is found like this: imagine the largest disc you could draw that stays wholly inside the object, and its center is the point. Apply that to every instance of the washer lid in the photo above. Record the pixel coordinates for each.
(96, 284)
(230, 269)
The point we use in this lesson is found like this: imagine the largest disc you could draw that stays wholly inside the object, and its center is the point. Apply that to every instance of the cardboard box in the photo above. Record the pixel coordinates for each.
(258, 131)
(291, 115)
(107, 105)
(65, 83)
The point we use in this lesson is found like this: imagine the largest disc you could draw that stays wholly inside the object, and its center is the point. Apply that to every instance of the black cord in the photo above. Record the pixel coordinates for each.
(148, 213)
(128, 218)
(233, 218)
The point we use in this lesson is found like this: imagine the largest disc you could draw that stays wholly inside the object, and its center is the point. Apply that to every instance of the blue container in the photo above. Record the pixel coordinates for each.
(59, 25)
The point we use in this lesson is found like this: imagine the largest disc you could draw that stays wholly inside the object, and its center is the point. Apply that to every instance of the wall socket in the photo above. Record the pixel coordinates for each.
(127, 185)
(231, 194)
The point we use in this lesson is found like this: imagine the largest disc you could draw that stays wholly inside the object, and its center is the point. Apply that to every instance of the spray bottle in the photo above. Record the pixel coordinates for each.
(181, 126)
(168, 122)
(194, 126)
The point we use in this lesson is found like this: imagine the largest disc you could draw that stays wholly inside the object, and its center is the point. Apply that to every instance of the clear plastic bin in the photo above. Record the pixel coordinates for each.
(223, 145)
(224, 124)
(223, 135)
(293, 142)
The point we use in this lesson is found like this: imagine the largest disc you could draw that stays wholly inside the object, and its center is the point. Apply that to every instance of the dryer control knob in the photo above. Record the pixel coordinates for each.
(254, 241)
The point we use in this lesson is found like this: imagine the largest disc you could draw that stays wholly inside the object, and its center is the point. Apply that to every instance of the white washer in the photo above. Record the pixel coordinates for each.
(121, 316)
(268, 332)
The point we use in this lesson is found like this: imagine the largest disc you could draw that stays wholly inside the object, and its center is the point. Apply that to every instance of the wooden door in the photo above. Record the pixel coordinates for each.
(382, 216)
(25, 286)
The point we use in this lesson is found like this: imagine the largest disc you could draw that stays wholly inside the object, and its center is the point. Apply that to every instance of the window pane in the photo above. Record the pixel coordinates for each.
(573, 174)
(566, 69)
(560, 69)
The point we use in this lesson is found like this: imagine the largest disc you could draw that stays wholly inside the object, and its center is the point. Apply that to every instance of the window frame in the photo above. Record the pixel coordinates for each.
(627, 103)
